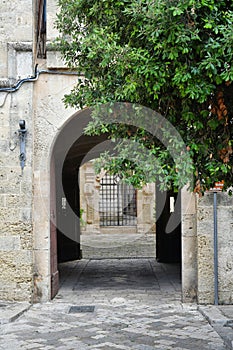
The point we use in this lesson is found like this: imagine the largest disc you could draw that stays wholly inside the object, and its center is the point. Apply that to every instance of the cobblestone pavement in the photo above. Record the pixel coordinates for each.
(110, 304)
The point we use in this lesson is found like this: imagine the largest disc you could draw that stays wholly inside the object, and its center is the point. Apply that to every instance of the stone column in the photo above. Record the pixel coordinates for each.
(90, 199)
(189, 245)
(205, 229)
(146, 209)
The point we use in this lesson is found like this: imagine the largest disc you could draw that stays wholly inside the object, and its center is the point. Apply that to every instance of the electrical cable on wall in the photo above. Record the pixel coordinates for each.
(22, 131)
(34, 78)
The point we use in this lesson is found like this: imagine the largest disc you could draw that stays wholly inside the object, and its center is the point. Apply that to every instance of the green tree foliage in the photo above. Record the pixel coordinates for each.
(172, 56)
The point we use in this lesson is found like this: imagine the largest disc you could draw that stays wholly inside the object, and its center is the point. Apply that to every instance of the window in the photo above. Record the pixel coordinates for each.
(41, 29)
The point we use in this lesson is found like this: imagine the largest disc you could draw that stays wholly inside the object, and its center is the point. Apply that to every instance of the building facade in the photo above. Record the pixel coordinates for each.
(42, 148)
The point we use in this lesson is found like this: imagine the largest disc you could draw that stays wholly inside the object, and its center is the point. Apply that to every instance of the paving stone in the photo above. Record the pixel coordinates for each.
(9, 311)
(134, 310)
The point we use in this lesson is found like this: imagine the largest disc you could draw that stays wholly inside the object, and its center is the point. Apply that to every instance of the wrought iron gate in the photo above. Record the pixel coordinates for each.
(117, 202)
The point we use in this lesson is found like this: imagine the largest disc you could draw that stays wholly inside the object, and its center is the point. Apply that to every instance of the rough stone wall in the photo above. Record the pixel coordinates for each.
(15, 201)
(24, 197)
(16, 242)
(16, 25)
(205, 234)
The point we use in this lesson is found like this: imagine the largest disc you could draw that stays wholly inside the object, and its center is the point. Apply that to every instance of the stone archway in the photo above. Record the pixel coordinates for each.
(69, 149)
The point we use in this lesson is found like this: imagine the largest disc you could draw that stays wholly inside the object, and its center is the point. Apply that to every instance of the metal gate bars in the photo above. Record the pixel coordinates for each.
(117, 205)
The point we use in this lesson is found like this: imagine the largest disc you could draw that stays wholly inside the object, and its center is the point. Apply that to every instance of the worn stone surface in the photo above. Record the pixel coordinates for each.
(136, 306)
(205, 234)
(16, 240)
(189, 245)
(16, 25)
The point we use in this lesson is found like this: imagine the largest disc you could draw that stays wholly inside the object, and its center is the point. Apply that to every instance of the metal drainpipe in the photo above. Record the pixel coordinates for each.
(215, 251)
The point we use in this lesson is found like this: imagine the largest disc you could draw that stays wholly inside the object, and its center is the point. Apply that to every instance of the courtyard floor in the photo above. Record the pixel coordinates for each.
(110, 303)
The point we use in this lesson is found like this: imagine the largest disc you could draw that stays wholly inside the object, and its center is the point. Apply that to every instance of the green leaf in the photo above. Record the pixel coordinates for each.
(175, 58)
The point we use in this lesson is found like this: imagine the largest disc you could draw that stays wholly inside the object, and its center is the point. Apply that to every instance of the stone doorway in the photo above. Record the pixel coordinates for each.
(69, 151)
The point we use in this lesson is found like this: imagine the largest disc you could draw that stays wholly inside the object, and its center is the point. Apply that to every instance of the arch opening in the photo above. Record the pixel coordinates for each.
(70, 151)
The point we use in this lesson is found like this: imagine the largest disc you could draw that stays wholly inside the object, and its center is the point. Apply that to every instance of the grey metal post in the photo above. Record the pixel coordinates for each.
(215, 251)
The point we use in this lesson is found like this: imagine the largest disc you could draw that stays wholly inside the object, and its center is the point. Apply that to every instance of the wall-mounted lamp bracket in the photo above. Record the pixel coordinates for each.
(22, 139)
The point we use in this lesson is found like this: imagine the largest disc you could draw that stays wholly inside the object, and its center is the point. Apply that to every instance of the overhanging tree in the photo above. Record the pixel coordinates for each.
(174, 57)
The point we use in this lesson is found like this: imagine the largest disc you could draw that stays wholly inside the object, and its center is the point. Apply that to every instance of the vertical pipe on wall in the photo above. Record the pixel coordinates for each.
(215, 251)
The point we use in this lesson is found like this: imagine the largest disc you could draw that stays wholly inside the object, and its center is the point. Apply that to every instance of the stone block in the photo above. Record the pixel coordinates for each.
(225, 297)
(9, 215)
(3, 133)
(16, 291)
(223, 199)
(189, 225)
(3, 53)
(26, 237)
(204, 216)
(225, 224)
(188, 202)
(13, 172)
(205, 264)
(13, 200)
(24, 64)
(2, 199)
(17, 228)
(42, 261)
(4, 145)
(52, 33)
(14, 265)
(225, 268)
(7, 289)
(189, 255)
(25, 214)
(9, 243)
(206, 200)
(55, 60)
(41, 275)
(206, 297)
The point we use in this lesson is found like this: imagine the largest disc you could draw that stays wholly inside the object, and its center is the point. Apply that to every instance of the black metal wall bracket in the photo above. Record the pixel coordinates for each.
(22, 139)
